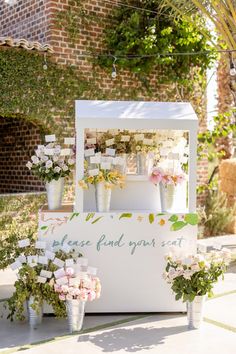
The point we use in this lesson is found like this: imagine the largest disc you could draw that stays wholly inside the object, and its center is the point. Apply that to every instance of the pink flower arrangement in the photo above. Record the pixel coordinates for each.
(159, 176)
(82, 288)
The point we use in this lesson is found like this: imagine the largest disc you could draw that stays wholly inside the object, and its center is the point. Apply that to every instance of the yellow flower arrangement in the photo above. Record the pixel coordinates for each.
(109, 177)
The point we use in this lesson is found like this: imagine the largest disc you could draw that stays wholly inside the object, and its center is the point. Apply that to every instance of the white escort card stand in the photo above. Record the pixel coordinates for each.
(128, 244)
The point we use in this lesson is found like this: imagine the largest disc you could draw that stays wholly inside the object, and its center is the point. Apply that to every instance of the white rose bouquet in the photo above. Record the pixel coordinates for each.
(51, 162)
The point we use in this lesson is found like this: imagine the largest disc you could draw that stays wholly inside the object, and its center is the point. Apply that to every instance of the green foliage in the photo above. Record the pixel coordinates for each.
(218, 214)
(28, 91)
(134, 33)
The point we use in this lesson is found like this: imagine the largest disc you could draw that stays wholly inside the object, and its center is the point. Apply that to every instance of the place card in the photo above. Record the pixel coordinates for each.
(50, 138)
(110, 152)
(43, 260)
(32, 259)
(69, 141)
(49, 152)
(83, 275)
(15, 265)
(46, 273)
(89, 152)
(58, 262)
(65, 248)
(92, 270)
(110, 142)
(24, 243)
(125, 138)
(69, 262)
(50, 255)
(65, 152)
(40, 245)
(94, 172)
(98, 154)
(138, 137)
(59, 273)
(22, 258)
(114, 131)
(87, 283)
(41, 279)
(105, 165)
(91, 141)
(62, 281)
(82, 261)
(148, 141)
(95, 159)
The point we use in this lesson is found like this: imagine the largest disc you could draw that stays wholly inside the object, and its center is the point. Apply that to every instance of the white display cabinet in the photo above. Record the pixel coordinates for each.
(139, 194)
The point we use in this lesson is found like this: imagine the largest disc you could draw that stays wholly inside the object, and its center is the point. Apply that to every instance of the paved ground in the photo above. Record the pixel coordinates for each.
(145, 333)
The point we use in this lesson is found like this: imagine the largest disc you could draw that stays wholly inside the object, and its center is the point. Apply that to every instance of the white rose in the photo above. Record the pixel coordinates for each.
(57, 149)
(49, 164)
(65, 168)
(57, 169)
(71, 162)
(55, 158)
(35, 159)
(29, 165)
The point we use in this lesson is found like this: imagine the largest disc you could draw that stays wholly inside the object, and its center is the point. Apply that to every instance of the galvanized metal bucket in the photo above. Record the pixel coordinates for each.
(167, 196)
(34, 316)
(122, 168)
(75, 314)
(55, 193)
(195, 311)
(102, 197)
(144, 163)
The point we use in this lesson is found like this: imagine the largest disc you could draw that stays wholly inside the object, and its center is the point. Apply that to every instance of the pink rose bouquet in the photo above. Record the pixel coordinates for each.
(159, 176)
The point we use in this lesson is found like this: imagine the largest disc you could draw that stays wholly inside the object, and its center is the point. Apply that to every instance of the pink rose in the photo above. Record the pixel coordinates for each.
(69, 271)
(69, 297)
(156, 176)
(83, 295)
(62, 297)
(57, 288)
(91, 295)
(64, 288)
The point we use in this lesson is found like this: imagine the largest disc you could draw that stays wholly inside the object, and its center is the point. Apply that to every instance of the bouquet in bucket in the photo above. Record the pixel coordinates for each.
(52, 163)
(192, 279)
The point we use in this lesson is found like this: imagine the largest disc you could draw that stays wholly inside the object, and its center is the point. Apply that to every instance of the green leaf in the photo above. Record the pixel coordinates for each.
(160, 214)
(125, 215)
(191, 219)
(73, 215)
(89, 216)
(151, 218)
(178, 225)
(44, 227)
(96, 220)
(173, 218)
(178, 296)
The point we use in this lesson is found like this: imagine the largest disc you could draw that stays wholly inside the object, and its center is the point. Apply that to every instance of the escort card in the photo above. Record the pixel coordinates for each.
(125, 138)
(32, 259)
(43, 260)
(49, 152)
(95, 159)
(89, 152)
(60, 273)
(50, 255)
(98, 154)
(94, 172)
(41, 280)
(139, 137)
(65, 152)
(148, 141)
(22, 259)
(69, 141)
(91, 141)
(114, 131)
(24, 243)
(83, 275)
(92, 270)
(105, 165)
(66, 248)
(58, 262)
(110, 142)
(46, 273)
(40, 245)
(110, 152)
(16, 265)
(62, 281)
(69, 262)
(50, 138)
(82, 261)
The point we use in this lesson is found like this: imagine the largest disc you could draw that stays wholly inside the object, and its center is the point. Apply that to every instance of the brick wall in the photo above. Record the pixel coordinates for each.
(17, 142)
(36, 20)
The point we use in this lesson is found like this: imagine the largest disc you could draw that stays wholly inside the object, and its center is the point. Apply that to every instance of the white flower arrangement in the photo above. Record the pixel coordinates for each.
(51, 162)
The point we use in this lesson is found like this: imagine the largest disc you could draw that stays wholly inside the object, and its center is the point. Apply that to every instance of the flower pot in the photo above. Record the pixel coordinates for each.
(55, 193)
(195, 312)
(102, 197)
(167, 196)
(75, 314)
(34, 316)
(144, 163)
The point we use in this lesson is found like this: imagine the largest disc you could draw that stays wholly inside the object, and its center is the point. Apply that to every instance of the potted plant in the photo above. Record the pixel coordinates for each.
(52, 163)
(104, 180)
(77, 285)
(192, 279)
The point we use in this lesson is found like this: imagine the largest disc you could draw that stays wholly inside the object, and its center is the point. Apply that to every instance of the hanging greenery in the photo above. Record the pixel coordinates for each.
(133, 32)
(40, 95)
